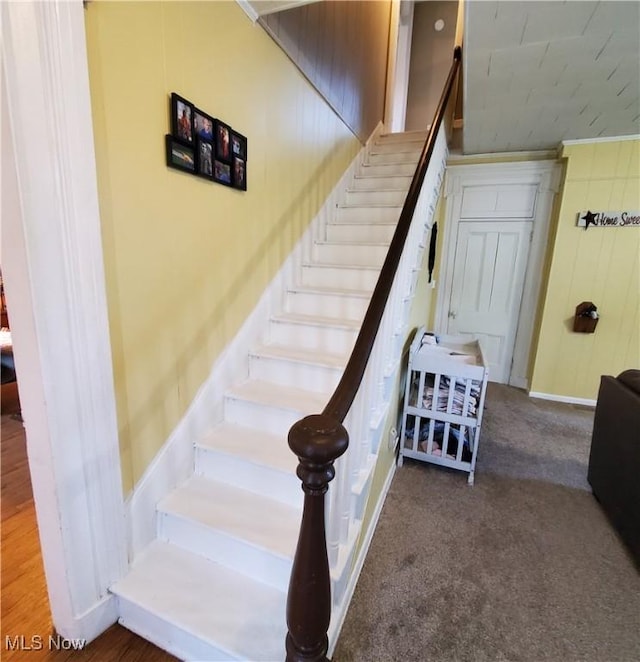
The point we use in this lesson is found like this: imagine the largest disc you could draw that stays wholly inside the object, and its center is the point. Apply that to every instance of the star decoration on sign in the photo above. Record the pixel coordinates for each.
(590, 219)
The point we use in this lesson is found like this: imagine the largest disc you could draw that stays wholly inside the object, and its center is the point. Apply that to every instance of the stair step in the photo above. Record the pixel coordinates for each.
(251, 459)
(405, 136)
(300, 355)
(387, 169)
(270, 407)
(397, 146)
(376, 182)
(350, 253)
(361, 232)
(382, 196)
(200, 610)
(383, 157)
(329, 302)
(368, 215)
(314, 332)
(293, 366)
(336, 275)
(237, 528)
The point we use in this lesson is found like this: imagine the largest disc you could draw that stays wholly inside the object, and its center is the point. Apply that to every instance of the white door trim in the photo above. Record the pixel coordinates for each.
(53, 269)
(546, 176)
(398, 66)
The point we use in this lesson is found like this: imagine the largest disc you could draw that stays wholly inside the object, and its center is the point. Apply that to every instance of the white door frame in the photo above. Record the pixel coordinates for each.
(52, 264)
(399, 60)
(546, 176)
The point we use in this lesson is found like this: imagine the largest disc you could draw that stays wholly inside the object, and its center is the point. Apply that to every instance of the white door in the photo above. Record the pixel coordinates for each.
(488, 278)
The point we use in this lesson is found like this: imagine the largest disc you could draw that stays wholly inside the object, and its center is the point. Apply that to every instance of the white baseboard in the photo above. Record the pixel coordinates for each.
(340, 613)
(92, 623)
(174, 462)
(563, 398)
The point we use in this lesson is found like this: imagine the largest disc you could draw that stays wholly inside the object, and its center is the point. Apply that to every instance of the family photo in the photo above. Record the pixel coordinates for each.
(205, 146)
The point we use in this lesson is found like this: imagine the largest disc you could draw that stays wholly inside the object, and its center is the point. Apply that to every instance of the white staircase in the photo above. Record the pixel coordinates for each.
(213, 585)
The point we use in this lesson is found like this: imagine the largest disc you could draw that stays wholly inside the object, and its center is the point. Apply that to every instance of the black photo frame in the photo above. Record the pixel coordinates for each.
(205, 146)
(239, 173)
(179, 155)
(238, 145)
(222, 172)
(203, 125)
(222, 141)
(182, 112)
(204, 158)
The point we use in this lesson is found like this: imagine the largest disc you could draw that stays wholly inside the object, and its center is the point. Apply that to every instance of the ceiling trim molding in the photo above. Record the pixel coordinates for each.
(604, 139)
(499, 157)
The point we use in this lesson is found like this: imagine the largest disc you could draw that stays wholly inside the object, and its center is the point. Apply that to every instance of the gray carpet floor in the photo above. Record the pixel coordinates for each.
(523, 566)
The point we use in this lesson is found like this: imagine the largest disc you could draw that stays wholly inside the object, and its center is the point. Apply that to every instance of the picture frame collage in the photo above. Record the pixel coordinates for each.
(205, 146)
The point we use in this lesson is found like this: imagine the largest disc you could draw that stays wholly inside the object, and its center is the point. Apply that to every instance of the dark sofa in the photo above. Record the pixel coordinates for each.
(614, 462)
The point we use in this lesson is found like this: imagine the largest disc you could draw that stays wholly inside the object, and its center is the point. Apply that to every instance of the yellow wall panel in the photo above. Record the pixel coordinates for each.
(581, 167)
(186, 260)
(634, 162)
(599, 265)
(631, 196)
(605, 159)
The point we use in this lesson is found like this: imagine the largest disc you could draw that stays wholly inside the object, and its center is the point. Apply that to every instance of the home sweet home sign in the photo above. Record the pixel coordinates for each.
(608, 219)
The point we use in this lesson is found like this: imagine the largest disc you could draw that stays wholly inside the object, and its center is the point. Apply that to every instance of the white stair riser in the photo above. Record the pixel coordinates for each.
(278, 485)
(362, 183)
(377, 158)
(340, 277)
(349, 254)
(396, 147)
(382, 169)
(256, 415)
(360, 491)
(168, 636)
(367, 215)
(385, 197)
(318, 378)
(334, 306)
(311, 336)
(231, 552)
(339, 582)
(360, 232)
(407, 136)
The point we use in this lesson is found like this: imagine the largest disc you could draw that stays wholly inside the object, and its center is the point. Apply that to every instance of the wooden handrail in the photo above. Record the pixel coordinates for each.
(320, 439)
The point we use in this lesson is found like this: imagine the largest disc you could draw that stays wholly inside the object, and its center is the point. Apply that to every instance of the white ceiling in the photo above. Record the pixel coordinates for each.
(537, 73)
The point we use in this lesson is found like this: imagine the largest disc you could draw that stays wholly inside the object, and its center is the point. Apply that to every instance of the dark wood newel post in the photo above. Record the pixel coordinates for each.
(317, 441)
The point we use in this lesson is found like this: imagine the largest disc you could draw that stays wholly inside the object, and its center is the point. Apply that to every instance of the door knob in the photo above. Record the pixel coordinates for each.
(452, 314)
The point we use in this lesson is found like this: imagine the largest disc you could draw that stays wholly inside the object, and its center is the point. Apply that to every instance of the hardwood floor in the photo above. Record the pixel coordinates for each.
(26, 620)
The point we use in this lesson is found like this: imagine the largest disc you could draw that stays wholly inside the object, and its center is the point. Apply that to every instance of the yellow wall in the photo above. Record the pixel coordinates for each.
(599, 265)
(186, 260)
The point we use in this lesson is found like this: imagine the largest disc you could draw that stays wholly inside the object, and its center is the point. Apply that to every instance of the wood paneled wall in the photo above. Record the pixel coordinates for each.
(341, 47)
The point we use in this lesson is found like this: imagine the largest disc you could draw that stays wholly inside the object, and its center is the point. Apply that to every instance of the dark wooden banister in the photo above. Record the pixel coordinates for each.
(320, 439)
